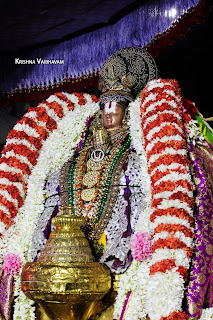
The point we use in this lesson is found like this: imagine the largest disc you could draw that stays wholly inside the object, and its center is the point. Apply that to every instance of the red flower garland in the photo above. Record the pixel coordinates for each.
(168, 166)
(161, 146)
(24, 136)
(33, 124)
(37, 120)
(159, 174)
(13, 162)
(56, 107)
(164, 159)
(172, 228)
(5, 219)
(177, 315)
(13, 177)
(14, 192)
(171, 243)
(173, 212)
(162, 266)
(21, 149)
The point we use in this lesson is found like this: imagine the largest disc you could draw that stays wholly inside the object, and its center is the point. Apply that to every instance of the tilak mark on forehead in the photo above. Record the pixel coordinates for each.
(109, 107)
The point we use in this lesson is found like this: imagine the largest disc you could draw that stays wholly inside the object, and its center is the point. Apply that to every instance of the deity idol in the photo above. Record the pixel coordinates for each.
(102, 181)
(139, 172)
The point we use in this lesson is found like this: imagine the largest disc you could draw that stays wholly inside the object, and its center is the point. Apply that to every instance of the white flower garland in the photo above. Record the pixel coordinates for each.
(165, 295)
(194, 133)
(207, 314)
(136, 134)
(56, 150)
(135, 279)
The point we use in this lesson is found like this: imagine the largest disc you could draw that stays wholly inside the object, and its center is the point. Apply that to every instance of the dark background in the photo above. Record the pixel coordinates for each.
(190, 62)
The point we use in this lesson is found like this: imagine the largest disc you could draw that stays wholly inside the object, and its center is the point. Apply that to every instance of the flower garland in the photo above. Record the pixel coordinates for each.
(161, 139)
(133, 283)
(169, 263)
(170, 218)
(172, 198)
(135, 279)
(55, 150)
(22, 150)
(136, 133)
(207, 314)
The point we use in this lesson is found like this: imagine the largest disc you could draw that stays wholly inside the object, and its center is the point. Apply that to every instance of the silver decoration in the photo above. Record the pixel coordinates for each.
(116, 245)
(97, 155)
(53, 199)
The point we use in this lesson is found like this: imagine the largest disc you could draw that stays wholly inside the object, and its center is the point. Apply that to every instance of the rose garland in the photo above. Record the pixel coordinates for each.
(55, 150)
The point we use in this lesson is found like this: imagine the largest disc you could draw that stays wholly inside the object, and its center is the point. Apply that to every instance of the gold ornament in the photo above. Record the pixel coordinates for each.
(91, 178)
(65, 281)
(88, 194)
(92, 165)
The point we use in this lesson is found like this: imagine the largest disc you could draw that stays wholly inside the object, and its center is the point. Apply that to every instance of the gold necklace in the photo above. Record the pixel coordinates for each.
(90, 179)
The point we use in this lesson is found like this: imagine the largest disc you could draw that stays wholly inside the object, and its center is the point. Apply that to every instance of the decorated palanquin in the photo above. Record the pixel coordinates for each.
(147, 208)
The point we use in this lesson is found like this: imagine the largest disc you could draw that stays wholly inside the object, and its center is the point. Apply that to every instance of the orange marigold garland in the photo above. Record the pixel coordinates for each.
(172, 198)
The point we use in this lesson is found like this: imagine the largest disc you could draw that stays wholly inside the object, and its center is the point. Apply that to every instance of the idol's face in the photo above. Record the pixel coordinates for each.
(113, 114)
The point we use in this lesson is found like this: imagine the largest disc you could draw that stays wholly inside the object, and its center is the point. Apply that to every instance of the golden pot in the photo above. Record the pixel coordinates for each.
(66, 281)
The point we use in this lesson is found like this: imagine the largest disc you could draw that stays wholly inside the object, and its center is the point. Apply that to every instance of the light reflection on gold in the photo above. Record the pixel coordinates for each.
(66, 281)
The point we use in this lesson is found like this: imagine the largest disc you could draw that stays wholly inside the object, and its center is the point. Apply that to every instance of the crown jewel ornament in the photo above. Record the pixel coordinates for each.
(125, 73)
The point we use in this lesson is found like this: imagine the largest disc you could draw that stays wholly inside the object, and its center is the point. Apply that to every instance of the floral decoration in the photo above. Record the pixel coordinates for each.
(177, 316)
(207, 314)
(172, 196)
(133, 283)
(21, 182)
(48, 135)
(141, 246)
(169, 216)
(12, 264)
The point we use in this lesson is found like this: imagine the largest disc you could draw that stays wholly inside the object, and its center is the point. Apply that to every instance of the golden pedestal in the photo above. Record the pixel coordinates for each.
(66, 281)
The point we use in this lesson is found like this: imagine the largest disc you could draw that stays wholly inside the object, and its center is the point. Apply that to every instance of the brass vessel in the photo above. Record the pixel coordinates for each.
(66, 281)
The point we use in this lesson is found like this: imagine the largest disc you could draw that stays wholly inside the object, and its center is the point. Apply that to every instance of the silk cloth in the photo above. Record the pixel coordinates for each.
(6, 295)
(199, 293)
(85, 54)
